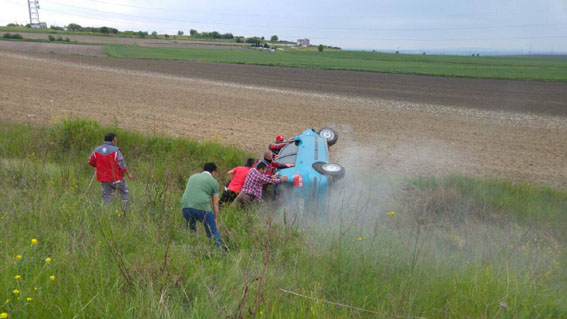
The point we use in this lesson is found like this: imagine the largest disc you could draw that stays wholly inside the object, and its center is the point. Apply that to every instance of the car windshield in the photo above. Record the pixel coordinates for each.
(288, 154)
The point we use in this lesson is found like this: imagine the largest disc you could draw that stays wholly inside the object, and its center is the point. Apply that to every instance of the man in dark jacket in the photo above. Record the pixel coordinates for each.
(110, 166)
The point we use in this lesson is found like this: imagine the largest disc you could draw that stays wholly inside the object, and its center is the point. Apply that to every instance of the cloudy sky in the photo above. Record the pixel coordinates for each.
(518, 25)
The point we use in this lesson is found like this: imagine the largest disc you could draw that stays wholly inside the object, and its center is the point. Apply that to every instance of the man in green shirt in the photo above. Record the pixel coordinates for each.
(201, 190)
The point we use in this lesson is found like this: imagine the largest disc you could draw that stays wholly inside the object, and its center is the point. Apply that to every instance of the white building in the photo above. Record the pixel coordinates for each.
(303, 42)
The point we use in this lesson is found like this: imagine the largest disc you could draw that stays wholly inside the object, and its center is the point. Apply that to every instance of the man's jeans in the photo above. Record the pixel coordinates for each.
(194, 215)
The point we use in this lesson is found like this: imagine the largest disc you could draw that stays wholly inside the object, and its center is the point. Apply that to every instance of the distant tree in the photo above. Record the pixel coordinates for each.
(262, 38)
(14, 25)
(239, 39)
(193, 32)
(227, 36)
(28, 25)
(320, 48)
(154, 34)
(423, 53)
(266, 45)
(214, 35)
(141, 34)
(179, 32)
(256, 42)
(50, 38)
(397, 52)
(113, 30)
(104, 30)
(166, 35)
(274, 38)
(74, 27)
(54, 27)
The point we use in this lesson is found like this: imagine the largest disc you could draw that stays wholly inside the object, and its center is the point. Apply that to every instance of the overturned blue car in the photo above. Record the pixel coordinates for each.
(309, 180)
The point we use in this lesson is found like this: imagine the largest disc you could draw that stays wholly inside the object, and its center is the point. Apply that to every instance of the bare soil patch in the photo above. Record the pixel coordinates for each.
(39, 47)
(528, 97)
(394, 137)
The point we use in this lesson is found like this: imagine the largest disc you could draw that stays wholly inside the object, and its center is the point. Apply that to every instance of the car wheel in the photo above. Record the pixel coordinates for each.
(329, 134)
(329, 169)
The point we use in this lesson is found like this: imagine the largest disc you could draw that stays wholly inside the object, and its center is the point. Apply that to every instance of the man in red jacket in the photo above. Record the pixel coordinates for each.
(110, 165)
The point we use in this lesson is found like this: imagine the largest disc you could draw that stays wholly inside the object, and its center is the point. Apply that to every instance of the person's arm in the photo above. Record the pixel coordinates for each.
(92, 160)
(231, 173)
(267, 179)
(278, 165)
(122, 164)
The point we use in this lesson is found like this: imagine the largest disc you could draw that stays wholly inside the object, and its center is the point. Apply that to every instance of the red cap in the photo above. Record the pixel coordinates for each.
(279, 138)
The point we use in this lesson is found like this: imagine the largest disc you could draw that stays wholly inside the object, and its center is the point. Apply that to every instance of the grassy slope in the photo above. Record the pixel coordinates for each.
(517, 68)
(456, 248)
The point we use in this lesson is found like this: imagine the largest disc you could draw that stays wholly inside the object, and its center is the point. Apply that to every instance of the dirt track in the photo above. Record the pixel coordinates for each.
(397, 136)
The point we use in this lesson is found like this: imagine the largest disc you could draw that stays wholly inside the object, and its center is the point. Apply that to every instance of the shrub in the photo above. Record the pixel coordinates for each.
(67, 40)
(320, 48)
(59, 38)
(12, 36)
(50, 38)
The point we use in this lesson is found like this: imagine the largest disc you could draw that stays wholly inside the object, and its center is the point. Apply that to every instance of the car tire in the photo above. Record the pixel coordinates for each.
(329, 169)
(329, 134)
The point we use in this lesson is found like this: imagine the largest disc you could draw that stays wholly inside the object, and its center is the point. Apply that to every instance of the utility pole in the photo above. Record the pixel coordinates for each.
(33, 6)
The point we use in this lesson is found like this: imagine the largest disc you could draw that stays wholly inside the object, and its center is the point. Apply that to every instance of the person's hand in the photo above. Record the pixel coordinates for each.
(130, 175)
(283, 178)
(275, 175)
(289, 165)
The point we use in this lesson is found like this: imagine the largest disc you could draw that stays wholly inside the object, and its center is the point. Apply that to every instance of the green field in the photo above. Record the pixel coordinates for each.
(453, 247)
(513, 68)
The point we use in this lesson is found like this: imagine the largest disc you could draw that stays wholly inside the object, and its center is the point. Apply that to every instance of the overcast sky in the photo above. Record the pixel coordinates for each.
(519, 25)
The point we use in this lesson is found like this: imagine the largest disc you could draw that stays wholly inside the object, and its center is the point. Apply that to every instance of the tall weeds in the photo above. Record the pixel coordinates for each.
(435, 248)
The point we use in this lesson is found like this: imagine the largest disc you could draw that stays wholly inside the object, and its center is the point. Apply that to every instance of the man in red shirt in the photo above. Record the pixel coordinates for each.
(237, 177)
(110, 165)
(252, 188)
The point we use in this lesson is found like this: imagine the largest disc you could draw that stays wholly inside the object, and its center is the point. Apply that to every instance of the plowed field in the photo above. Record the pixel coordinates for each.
(452, 127)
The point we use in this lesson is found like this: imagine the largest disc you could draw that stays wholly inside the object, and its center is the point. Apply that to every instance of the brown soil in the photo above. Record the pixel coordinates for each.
(38, 47)
(494, 95)
(395, 136)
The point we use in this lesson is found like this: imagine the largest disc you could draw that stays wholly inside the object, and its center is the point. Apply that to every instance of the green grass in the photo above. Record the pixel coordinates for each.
(455, 248)
(513, 68)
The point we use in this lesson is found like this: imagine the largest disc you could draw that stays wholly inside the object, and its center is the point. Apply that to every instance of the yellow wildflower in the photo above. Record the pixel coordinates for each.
(3, 315)
(48, 260)
(35, 288)
(34, 241)
(18, 257)
(52, 277)
(17, 277)
(391, 213)
(29, 298)
(360, 238)
(16, 291)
